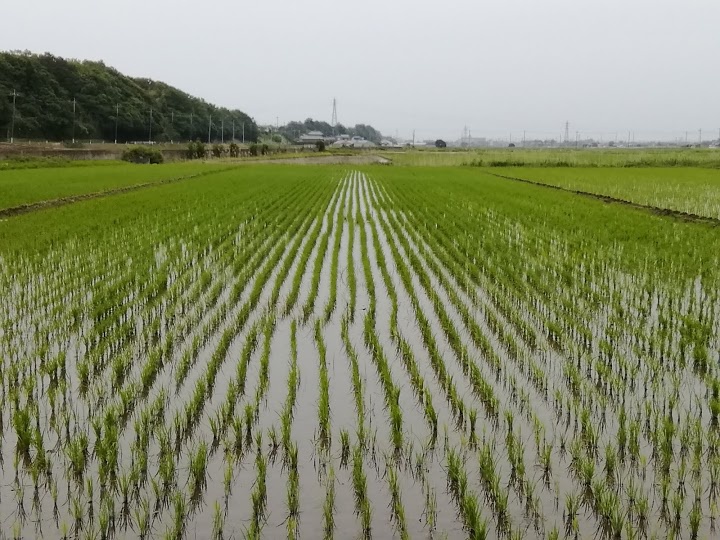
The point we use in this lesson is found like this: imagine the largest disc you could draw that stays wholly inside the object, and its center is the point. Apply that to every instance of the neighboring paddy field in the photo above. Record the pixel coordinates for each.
(311, 352)
(27, 186)
(690, 190)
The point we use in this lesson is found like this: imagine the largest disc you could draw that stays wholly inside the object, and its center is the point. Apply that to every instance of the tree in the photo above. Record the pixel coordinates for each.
(320, 146)
(104, 99)
(440, 144)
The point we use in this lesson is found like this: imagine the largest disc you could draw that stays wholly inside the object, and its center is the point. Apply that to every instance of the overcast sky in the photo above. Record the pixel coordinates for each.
(501, 67)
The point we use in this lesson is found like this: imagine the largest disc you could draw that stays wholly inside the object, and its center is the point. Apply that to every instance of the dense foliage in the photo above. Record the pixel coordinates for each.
(46, 86)
(143, 155)
(293, 130)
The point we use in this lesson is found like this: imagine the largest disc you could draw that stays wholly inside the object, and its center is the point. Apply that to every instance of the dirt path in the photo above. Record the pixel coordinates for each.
(677, 214)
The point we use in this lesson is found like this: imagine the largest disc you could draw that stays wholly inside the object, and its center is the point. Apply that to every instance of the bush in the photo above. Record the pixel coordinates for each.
(196, 150)
(234, 150)
(320, 146)
(254, 149)
(73, 144)
(143, 155)
(218, 150)
(264, 149)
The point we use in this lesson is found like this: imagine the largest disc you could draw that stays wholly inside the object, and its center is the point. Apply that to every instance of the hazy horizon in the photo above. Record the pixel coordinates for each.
(499, 69)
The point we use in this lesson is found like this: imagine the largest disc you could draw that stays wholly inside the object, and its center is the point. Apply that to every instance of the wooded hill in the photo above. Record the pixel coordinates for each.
(46, 86)
(293, 130)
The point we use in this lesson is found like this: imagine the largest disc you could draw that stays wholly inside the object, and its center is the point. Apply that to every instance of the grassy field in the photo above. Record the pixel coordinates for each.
(560, 157)
(28, 186)
(326, 351)
(690, 190)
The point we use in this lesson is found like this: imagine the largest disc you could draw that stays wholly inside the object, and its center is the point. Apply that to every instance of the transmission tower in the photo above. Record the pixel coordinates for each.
(334, 115)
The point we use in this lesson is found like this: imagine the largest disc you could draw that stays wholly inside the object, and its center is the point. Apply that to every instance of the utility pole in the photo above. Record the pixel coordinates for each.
(73, 130)
(699, 136)
(150, 132)
(413, 138)
(222, 131)
(233, 131)
(117, 114)
(523, 138)
(191, 126)
(577, 138)
(172, 123)
(12, 122)
(209, 128)
(567, 132)
(334, 117)
(243, 132)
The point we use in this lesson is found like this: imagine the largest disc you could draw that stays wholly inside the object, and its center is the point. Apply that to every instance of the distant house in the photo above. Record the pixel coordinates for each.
(312, 137)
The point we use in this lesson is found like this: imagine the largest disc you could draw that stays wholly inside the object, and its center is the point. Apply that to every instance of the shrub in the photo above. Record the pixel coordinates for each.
(264, 149)
(320, 146)
(196, 150)
(254, 149)
(218, 150)
(234, 150)
(142, 154)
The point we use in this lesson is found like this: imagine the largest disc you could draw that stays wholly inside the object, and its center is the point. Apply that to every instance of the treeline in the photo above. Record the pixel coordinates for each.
(293, 130)
(105, 100)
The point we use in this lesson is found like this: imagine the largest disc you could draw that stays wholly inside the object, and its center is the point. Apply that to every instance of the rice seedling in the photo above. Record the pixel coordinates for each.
(218, 522)
(398, 509)
(362, 503)
(198, 473)
(324, 401)
(329, 506)
(532, 323)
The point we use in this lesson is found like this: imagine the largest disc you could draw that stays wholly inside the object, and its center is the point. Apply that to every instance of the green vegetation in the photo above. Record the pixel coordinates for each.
(279, 350)
(20, 187)
(560, 157)
(690, 190)
(143, 155)
(47, 85)
(292, 130)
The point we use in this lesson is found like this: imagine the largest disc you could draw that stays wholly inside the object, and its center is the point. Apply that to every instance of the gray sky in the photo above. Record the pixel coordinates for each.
(501, 67)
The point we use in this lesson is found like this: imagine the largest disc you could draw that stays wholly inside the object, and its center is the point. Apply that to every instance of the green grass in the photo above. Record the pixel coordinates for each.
(20, 187)
(689, 190)
(560, 157)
